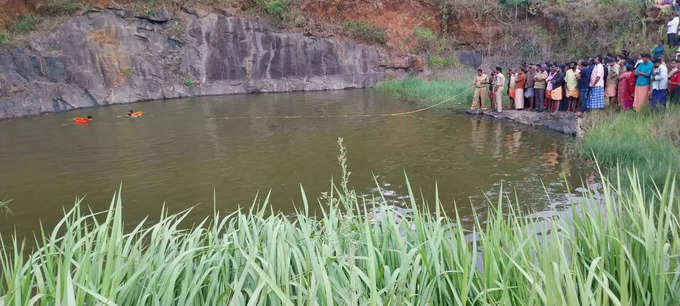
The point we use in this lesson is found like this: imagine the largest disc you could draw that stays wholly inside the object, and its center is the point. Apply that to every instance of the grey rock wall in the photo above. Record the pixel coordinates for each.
(108, 56)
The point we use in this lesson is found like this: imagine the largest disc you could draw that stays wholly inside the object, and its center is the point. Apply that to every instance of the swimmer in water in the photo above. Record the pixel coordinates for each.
(133, 114)
(87, 119)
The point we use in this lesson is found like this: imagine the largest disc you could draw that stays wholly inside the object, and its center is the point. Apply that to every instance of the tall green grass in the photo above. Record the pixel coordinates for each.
(430, 92)
(620, 247)
(4, 207)
(648, 141)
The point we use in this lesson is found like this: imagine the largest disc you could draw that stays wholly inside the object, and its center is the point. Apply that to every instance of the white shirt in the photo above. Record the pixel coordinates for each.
(660, 78)
(672, 26)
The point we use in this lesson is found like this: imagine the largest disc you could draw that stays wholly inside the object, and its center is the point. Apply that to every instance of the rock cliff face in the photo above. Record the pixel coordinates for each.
(108, 56)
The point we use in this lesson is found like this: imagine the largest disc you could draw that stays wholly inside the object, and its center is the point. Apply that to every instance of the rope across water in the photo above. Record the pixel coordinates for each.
(447, 100)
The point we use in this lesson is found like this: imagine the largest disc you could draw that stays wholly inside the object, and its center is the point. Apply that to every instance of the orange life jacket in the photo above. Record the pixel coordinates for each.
(82, 120)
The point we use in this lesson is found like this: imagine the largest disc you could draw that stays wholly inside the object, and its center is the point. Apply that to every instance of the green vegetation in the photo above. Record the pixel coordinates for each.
(364, 31)
(649, 141)
(437, 49)
(58, 8)
(620, 24)
(275, 7)
(23, 25)
(621, 248)
(426, 40)
(4, 37)
(430, 92)
(440, 62)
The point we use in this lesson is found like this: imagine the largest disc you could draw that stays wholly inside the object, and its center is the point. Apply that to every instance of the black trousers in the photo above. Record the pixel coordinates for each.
(675, 95)
(672, 39)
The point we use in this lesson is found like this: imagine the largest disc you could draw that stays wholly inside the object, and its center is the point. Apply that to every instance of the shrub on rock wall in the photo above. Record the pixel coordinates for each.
(365, 31)
(275, 7)
(4, 37)
(58, 8)
(574, 28)
(23, 25)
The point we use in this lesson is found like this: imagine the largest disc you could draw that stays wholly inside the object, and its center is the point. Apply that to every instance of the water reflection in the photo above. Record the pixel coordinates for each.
(183, 150)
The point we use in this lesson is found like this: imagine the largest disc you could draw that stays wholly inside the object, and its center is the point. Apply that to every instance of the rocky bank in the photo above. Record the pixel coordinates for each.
(563, 122)
(110, 56)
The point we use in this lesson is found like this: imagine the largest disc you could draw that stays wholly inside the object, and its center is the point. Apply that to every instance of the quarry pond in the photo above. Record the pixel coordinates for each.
(183, 153)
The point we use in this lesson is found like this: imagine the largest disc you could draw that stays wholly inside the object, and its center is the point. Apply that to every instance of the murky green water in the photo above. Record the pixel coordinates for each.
(182, 150)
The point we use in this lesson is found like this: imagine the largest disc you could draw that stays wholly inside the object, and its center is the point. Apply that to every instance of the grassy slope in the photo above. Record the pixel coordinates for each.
(430, 92)
(649, 141)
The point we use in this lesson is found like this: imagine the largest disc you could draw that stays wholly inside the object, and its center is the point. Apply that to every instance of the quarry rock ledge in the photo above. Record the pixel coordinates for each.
(109, 56)
(563, 122)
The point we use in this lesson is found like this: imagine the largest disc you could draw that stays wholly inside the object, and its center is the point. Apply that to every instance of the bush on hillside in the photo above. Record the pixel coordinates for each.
(436, 48)
(58, 8)
(426, 40)
(440, 62)
(275, 7)
(23, 25)
(4, 37)
(575, 28)
(364, 31)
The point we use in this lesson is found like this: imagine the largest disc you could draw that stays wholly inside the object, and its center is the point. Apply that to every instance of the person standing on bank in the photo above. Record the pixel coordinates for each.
(520, 81)
(584, 84)
(659, 50)
(674, 82)
(672, 31)
(643, 73)
(549, 87)
(489, 84)
(659, 85)
(539, 88)
(626, 89)
(479, 83)
(499, 83)
(612, 82)
(512, 77)
(557, 91)
(572, 86)
(529, 88)
(596, 95)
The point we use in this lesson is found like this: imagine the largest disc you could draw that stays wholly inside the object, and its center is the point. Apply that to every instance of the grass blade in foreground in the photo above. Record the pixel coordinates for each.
(619, 249)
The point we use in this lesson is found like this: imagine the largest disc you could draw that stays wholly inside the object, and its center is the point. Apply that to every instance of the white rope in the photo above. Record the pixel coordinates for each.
(354, 116)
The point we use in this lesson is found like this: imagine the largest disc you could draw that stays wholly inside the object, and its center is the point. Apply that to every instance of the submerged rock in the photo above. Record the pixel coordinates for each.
(103, 57)
(563, 122)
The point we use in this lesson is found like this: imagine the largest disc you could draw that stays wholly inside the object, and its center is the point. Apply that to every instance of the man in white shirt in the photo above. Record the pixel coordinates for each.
(498, 84)
(659, 85)
(672, 31)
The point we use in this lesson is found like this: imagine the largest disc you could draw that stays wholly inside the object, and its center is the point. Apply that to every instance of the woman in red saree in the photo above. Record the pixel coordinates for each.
(626, 89)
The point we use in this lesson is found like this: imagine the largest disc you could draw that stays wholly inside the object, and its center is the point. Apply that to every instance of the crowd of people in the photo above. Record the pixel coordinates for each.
(586, 84)
(583, 85)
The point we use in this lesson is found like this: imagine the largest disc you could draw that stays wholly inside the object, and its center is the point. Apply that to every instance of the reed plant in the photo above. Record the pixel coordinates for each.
(617, 247)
